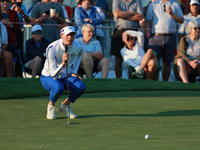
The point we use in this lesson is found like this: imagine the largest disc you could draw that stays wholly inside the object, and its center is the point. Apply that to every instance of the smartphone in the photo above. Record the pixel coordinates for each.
(47, 12)
(19, 4)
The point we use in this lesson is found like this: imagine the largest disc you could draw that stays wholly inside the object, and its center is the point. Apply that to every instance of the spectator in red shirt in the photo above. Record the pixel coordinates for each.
(11, 21)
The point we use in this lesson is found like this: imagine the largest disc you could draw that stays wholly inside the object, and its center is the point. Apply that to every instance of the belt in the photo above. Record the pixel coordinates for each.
(164, 34)
(124, 29)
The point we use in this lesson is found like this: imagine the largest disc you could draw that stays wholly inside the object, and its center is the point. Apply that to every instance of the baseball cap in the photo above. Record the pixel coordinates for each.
(67, 30)
(192, 2)
(36, 28)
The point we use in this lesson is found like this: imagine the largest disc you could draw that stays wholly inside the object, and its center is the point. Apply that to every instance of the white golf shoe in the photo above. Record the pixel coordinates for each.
(51, 112)
(65, 108)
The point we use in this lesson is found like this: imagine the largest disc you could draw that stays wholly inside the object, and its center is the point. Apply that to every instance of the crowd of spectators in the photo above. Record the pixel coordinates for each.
(157, 24)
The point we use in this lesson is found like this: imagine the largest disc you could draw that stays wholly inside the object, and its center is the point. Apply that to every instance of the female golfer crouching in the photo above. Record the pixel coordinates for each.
(54, 75)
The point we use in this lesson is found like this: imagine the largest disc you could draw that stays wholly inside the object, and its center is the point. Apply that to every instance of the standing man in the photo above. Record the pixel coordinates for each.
(41, 15)
(127, 14)
(54, 75)
(161, 19)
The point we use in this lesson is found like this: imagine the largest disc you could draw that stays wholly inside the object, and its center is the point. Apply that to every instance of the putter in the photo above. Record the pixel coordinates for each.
(66, 48)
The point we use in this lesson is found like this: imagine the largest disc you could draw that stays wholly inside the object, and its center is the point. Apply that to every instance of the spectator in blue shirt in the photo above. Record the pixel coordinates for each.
(92, 57)
(35, 50)
(86, 14)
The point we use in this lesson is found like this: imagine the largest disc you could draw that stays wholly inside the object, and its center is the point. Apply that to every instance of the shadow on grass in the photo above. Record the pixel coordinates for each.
(160, 114)
(124, 94)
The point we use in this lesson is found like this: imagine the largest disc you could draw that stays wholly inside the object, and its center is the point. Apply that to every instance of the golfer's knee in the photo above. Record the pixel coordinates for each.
(58, 89)
(81, 89)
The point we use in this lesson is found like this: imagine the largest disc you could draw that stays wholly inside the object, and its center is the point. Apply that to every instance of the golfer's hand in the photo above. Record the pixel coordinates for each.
(77, 76)
(65, 58)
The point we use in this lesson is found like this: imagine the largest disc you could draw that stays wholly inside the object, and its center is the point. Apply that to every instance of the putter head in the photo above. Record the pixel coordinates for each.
(68, 122)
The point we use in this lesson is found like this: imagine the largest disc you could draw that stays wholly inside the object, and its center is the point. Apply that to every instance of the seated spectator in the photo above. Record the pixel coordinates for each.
(66, 9)
(192, 14)
(41, 15)
(86, 14)
(19, 7)
(92, 57)
(6, 60)
(36, 51)
(11, 21)
(186, 63)
(133, 54)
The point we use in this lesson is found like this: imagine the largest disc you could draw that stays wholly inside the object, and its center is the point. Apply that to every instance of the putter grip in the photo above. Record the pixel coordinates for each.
(66, 62)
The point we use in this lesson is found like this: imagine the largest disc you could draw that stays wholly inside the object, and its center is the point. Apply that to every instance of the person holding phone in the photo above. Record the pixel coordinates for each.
(19, 7)
(41, 15)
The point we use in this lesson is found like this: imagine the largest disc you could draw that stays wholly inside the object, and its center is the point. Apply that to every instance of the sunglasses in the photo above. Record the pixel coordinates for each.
(196, 28)
(37, 32)
(130, 38)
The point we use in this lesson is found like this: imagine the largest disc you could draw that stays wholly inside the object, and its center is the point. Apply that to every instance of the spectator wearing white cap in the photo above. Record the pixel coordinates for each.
(35, 51)
(192, 13)
(134, 55)
(56, 77)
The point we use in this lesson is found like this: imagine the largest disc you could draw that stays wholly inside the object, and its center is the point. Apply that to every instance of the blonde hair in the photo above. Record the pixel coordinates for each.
(190, 25)
(86, 26)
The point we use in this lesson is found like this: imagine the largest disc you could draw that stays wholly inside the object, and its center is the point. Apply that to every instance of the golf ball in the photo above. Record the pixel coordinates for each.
(147, 136)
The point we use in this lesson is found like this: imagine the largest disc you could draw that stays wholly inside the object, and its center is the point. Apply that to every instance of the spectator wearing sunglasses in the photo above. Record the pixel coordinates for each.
(133, 54)
(128, 14)
(35, 50)
(187, 60)
(192, 13)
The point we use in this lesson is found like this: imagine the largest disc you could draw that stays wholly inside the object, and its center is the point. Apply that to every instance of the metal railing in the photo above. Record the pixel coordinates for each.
(108, 26)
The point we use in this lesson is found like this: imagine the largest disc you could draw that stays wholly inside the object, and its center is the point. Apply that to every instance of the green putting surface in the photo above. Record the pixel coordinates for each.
(109, 120)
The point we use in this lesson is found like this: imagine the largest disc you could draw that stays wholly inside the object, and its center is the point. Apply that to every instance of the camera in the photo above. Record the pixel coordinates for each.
(19, 4)
(47, 12)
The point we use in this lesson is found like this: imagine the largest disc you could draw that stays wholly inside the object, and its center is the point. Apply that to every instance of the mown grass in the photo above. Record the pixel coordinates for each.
(111, 120)
(20, 87)
(112, 114)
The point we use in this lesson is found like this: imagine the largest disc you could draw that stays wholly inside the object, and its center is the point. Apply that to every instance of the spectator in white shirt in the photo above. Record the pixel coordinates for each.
(133, 54)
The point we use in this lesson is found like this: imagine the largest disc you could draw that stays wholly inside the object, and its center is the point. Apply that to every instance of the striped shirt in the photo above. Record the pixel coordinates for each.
(162, 22)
